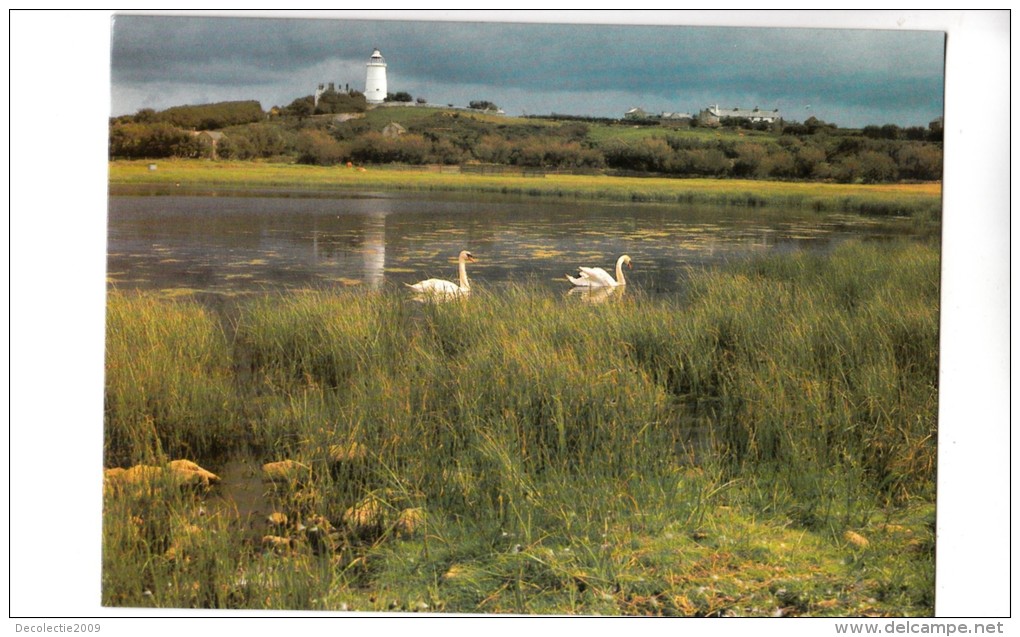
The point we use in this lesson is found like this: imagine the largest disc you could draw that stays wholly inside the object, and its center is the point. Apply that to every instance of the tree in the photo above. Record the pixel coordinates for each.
(492, 149)
(301, 107)
(235, 147)
(259, 141)
(920, 161)
(151, 141)
(483, 105)
(847, 169)
(815, 125)
(649, 154)
(331, 101)
(444, 152)
(402, 96)
(316, 147)
(350, 130)
(886, 131)
(748, 157)
(735, 122)
(890, 131)
(807, 160)
(871, 131)
(877, 167)
(701, 161)
(213, 116)
(915, 133)
(778, 163)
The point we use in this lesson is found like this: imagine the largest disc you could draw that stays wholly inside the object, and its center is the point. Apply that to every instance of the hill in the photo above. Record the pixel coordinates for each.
(419, 135)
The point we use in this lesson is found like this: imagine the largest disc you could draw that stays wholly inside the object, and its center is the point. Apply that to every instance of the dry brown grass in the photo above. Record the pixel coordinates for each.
(285, 471)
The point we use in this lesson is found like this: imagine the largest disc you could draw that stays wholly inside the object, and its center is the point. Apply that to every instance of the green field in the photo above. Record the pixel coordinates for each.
(764, 446)
(922, 201)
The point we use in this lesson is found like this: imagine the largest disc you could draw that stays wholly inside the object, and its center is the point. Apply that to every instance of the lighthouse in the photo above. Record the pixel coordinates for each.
(375, 79)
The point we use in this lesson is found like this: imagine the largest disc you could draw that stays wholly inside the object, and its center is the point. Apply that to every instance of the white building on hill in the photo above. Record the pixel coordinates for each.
(714, 114)
(375, 79)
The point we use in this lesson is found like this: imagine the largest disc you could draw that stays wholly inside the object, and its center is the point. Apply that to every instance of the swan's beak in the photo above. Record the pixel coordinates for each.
(630, 266)
(471, 258)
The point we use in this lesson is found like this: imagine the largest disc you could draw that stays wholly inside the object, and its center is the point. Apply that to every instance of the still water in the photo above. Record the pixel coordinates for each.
(231, 245)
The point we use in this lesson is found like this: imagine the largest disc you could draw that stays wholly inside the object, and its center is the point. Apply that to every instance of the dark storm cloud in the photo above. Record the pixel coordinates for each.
(222, 50)
(531, 67)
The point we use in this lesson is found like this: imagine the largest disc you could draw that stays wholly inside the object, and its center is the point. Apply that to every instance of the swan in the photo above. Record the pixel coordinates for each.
(595, 295)
(440, 287)
(597, 277)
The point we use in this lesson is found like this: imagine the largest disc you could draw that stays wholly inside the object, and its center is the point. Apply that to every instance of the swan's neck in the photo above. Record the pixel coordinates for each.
(464, 285)
(619, 272)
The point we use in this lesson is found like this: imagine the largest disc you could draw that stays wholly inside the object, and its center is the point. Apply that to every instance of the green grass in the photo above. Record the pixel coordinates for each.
(168, 379)
(409, 116)
(704, 456)
(601, 133)
(920, 200)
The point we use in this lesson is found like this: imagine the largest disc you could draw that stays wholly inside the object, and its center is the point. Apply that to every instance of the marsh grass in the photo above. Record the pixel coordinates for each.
(563, 456)
(922, 201)
(168, 380)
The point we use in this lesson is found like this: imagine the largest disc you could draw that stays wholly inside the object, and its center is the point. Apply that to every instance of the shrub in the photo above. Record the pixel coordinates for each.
(139, 141)
(317, 147)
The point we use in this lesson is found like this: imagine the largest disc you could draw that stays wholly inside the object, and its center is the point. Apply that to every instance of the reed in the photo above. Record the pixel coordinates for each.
(551, 446)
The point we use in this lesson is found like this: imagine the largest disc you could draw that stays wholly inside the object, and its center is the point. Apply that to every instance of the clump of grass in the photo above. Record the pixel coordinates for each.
(169, 383)
(316, 339)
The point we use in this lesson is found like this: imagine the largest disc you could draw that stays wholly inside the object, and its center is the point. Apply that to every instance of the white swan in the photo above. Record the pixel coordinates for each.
(439, 287)
(597, 277)
(595, 295)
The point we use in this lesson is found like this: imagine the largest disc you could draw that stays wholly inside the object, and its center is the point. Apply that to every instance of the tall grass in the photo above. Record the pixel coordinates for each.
(169, 380)
(801, 387)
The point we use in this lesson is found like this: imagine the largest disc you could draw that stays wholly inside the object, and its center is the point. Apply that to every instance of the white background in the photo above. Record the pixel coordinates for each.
(59, 101)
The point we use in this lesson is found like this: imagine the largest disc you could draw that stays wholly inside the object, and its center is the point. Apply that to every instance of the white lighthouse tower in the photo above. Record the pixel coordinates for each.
(375, 79)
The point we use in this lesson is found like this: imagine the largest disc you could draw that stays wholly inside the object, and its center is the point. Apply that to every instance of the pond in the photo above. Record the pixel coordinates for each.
(229, 245)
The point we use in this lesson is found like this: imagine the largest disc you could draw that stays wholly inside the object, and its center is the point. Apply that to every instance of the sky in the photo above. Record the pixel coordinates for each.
(850, 77)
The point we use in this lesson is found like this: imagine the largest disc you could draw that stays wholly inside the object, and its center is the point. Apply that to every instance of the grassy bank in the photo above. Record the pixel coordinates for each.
(922, 200)
(765, 446)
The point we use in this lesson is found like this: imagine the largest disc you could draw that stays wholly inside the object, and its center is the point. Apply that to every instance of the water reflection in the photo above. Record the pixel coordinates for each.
(374, 249)
(597, 294)
(232, 245)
